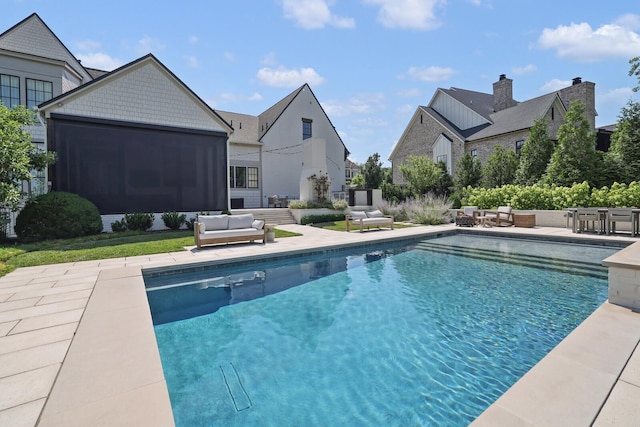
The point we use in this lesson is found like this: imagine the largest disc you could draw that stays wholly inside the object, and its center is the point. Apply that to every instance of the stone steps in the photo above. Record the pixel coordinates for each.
(275, 216)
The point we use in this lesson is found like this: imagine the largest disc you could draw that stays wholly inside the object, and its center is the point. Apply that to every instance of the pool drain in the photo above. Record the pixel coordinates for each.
(237, 392)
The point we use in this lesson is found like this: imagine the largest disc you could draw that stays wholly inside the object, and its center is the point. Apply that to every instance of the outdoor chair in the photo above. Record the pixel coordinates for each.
(620, 215)
(467, 217)
(590, 219)
(503, 217)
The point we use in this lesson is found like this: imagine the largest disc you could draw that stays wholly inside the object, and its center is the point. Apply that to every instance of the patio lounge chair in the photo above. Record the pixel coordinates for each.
(467, 217)
(503, 217)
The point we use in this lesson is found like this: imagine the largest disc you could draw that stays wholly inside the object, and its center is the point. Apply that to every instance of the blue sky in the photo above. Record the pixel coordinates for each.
(370, 63)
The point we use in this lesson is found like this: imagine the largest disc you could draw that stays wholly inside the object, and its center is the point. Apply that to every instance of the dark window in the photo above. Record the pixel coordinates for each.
(306, 129)
(9, 90)
(553, 113)
(442, 158)
(519, 145)
(474, 153)
(38, 91)
(243, 177)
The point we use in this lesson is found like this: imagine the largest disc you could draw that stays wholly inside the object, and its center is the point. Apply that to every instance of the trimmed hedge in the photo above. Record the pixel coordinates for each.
(545, 197)
(58, 215)
(317, 219)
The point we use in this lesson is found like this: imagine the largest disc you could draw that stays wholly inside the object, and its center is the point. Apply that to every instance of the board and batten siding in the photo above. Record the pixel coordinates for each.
(457, 113)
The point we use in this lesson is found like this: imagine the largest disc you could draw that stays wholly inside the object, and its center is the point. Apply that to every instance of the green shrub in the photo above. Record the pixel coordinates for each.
(429, 210)
(190, 223)
(139, 221)
(119, 226)
(339, 205)
(306, 204)
(551, 197)
(58, 215)
(316, 219)
(173, 220)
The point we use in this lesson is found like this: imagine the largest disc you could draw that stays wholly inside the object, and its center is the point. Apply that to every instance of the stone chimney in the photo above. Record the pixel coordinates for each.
(585, 92)
(503, 93)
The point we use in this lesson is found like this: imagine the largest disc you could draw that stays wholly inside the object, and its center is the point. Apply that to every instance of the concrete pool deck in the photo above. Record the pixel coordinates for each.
(77, 345)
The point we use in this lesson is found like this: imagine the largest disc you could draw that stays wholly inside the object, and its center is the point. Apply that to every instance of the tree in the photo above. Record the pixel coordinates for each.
(500, 168)
(624, 152)
(575, 159)
(535, 155)
(372, 171)
(18, 156)
(635, 71)
(468, 172)
(358, 181)
(422, 174)
(444, 186)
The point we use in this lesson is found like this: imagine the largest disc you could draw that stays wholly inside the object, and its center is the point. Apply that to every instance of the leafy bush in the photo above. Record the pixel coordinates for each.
(551, 197)
(119, 226)
(173, 220)
(307, 204)
(190, 223)
(139, 221)
(58, 215)
(315, 219)
(340, 205)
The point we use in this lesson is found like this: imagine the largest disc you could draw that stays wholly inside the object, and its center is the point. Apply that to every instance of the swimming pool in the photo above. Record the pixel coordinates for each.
(410, 335)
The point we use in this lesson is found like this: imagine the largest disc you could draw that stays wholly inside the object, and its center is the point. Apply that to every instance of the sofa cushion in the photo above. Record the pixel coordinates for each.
(375, 214)
(213, 222)
(240, 221)
(257, 224)
(357, 215)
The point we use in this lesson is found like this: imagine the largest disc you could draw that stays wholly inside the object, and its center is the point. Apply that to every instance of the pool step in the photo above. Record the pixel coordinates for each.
(239, 396)
(584, 268)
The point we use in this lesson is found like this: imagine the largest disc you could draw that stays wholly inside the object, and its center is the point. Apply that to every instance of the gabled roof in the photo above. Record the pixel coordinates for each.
(270, 116)
(33, 37)
(245, 127)
(519, 117)
(481, 103)
(102, 82)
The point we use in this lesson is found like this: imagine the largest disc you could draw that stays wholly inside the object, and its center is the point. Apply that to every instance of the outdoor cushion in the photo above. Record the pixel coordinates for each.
(357, 215)
(257, 224)
(213, 222)
(375, 214)
(240, 221)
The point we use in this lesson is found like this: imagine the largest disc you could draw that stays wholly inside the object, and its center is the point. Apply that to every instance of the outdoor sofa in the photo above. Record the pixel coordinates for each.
(368, 219)
(213, 229)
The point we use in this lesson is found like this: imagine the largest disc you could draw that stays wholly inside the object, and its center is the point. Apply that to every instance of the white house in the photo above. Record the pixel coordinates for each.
(265, 151)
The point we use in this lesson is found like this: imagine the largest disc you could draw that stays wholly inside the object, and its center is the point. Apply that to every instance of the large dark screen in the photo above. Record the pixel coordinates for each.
(125, 169)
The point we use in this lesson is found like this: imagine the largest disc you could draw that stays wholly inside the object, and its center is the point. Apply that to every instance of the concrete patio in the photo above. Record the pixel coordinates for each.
(77, 345)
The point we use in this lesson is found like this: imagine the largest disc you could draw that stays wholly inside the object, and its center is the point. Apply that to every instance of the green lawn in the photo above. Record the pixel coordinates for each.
(101, 246)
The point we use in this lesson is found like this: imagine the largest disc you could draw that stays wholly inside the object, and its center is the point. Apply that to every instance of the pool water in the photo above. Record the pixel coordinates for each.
(389, 337)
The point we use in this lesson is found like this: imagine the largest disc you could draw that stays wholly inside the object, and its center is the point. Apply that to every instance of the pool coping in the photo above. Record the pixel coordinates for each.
(112, 372)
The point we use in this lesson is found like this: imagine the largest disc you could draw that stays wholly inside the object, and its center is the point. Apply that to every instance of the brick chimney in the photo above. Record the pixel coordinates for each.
(503, 93)
(585, 93)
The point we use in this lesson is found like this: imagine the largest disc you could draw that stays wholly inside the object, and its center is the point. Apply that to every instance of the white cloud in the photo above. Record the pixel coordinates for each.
(409, 14)
(193, 39)
(283, 77)
(581, 43)
(230, 57)
(617, 97)
(366, 103)
(100, 61)
(314, 14)
(430, 74)
(554, 85)
(192, 61)
(524, 70)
